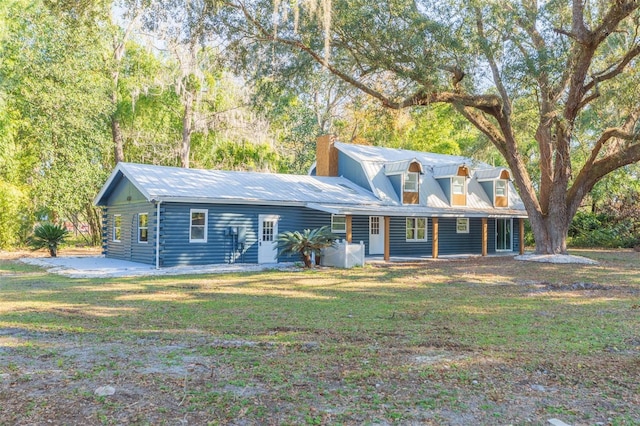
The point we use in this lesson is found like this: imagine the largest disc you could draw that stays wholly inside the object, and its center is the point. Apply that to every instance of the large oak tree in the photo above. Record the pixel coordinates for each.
(557, 74)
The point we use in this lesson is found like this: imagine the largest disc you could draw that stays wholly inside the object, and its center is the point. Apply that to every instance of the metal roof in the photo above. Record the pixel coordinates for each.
(490, 174)
(379, 162)
(161, 183)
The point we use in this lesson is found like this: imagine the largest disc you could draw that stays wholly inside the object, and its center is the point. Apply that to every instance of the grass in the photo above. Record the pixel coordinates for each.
(435, 342)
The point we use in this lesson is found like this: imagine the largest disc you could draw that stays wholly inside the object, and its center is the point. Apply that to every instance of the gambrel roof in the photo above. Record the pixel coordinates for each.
(374, 160)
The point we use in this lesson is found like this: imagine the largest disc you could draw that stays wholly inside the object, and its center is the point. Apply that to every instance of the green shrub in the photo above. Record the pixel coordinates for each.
(601, 230)
(305, 243)
(50, 236)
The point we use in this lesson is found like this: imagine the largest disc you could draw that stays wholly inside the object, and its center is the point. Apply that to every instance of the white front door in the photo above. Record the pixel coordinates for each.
(267, 236)
(376, 235)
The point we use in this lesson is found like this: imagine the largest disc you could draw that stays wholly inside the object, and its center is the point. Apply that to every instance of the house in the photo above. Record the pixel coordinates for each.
(398, 202)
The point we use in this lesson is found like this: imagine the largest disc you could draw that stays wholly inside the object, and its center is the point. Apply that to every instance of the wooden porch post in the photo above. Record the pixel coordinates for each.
(387, 245)
(349, 235)
(434, 238)
(485, 233)
(521, 235)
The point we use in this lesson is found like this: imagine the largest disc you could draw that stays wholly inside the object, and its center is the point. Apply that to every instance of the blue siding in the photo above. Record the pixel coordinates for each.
(352, 170)
(128, 248)
(450, 242)
(177, 250)
(396, 182)
(445, 184)
(360, 231)
(488, 188)
(398, 244)
(125, 192)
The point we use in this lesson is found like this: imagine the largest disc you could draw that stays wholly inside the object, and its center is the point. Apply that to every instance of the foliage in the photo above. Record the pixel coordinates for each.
(604, 230)
(546, 82)
(54, 86)
(305, 243)
(48, 236)
(13, 214)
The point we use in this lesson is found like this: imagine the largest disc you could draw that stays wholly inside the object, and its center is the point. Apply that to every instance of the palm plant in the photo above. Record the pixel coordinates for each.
(305, 243)
(50, 236)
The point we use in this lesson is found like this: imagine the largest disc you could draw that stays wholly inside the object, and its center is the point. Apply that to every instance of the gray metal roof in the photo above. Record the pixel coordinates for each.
(489, 174)
(160, 183)
(378, 162)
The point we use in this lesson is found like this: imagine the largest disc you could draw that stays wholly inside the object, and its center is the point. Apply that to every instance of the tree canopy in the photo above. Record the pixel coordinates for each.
(552, 83)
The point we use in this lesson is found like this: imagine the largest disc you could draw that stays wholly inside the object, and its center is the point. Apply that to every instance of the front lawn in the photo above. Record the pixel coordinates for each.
(475, 341)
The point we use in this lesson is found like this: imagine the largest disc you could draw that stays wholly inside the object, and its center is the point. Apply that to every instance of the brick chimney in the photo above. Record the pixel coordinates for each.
(326, 156)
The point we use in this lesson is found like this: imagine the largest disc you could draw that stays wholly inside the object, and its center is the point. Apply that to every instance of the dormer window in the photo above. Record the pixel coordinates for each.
(458, 185)
(501, 194)
(411, 182)
(496, 185)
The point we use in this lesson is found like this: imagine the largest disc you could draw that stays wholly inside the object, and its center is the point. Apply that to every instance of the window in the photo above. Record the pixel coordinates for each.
(462, 225)
(501, 188)
(117, 227)
(374, 225)
(411, 182)
(198, 226)
(339, 224)
(457, 185)
(143, 227)
(416, 229)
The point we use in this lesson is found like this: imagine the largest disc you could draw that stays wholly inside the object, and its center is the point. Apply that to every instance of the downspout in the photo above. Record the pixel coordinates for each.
(158, 235)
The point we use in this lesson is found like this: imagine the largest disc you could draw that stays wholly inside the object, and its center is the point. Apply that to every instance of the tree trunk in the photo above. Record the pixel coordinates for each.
(118, 144)
(550, 233)
(95, 225)
(53, 251)
(187, 119)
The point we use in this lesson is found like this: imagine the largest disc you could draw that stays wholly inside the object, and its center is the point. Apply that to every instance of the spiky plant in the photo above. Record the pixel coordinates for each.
(305, 243)
(50, 236)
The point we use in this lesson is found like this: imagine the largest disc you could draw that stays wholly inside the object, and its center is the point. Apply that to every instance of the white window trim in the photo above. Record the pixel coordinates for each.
(464, 185)
(143, 227)
(506, 188)
(338, 231)
(206, 225)
(415, 222)
(117, 240)
(465, 227)
(405, 180)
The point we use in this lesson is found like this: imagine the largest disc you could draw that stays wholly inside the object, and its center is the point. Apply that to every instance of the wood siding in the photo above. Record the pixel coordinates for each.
(410, 197)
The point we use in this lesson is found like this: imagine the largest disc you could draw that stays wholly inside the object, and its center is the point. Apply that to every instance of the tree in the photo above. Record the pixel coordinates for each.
(495, 63)
(54, 88)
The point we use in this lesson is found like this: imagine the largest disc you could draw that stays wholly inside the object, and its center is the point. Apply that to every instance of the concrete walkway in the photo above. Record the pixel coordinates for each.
(102, 267)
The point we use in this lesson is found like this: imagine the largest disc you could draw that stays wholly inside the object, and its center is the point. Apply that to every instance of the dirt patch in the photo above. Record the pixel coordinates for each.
(541, 287)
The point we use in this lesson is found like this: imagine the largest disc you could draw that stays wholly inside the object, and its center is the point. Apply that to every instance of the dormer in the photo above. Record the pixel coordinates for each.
(495, 183)
(405, 179)
(453, 181)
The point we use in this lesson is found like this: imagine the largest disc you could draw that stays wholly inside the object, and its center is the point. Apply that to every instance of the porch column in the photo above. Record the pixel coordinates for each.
(485, 233)
(387, 243)
(349, 235)
(521, 235)
(434, 238)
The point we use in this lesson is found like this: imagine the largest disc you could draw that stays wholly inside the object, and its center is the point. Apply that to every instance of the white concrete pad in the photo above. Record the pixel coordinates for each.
(102, 267)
